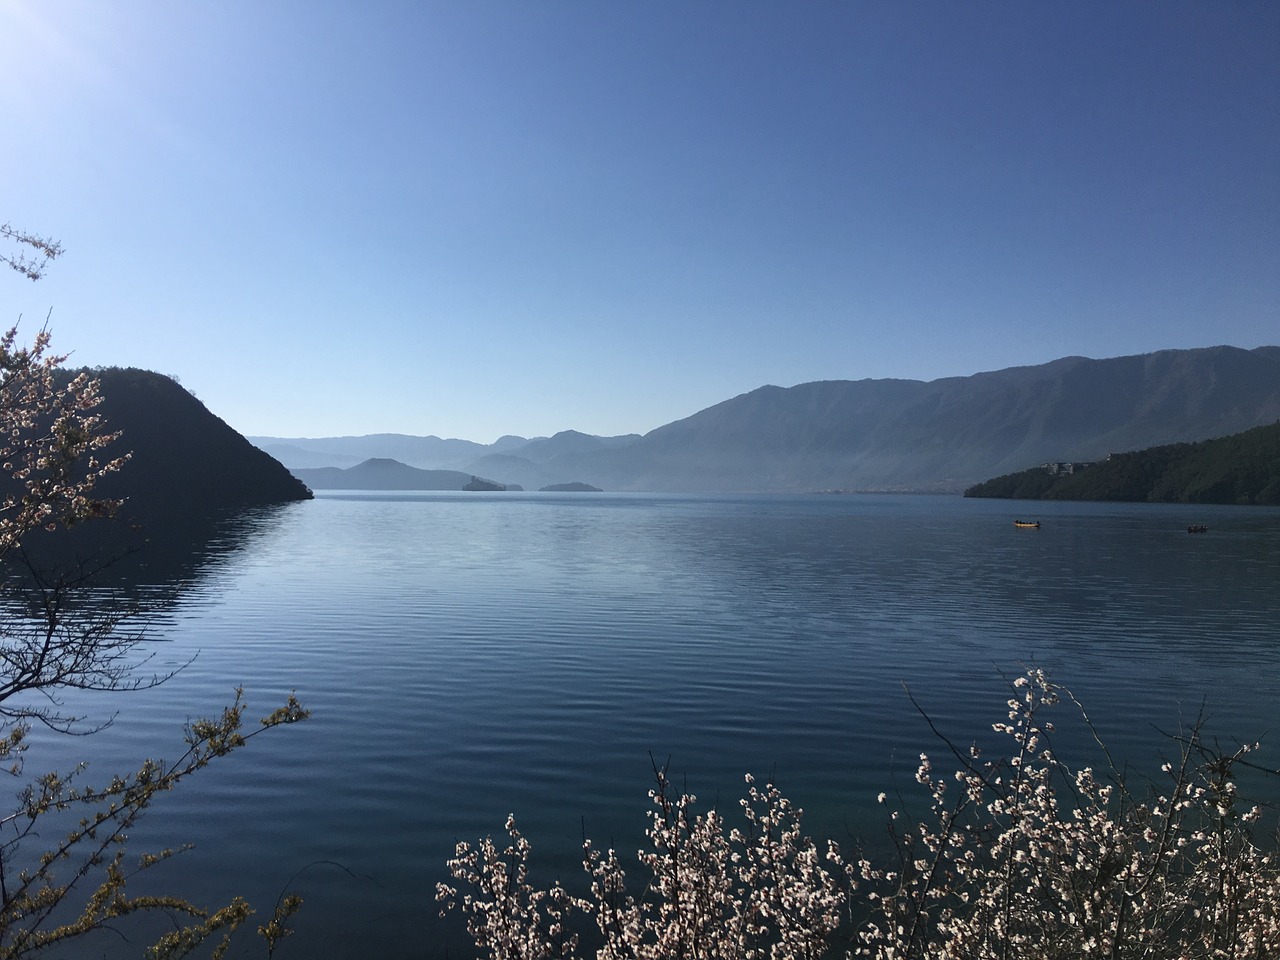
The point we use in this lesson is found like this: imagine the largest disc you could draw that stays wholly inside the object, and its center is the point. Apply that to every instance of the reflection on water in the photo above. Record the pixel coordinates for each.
(102, 601)
(136, 575)
(467, 656)
(138, 572)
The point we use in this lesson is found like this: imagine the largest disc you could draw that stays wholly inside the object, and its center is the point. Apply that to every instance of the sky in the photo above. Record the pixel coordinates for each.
(471, 218)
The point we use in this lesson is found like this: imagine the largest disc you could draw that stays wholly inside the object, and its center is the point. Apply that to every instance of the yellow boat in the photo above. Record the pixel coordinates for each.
(1027, 523)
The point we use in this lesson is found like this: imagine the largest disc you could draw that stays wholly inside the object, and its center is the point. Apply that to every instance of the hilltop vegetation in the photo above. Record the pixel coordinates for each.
(1243, 468)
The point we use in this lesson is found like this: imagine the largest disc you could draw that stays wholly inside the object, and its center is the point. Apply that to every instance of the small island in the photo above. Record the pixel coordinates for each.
(575, 487)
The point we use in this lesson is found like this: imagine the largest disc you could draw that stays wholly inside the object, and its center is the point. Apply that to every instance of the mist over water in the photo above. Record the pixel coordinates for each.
(467, 656)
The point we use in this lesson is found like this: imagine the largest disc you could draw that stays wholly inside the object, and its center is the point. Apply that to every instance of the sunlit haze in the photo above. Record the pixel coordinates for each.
(476, 218)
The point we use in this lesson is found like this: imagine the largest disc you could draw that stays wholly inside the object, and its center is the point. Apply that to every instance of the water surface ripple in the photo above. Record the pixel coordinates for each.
(470, 655)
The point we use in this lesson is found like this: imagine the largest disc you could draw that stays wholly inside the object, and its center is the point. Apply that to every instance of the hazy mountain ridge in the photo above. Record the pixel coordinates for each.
(513, 469)
(900, 434)
(297, 457)
(517, 459)
(429, 453)
(942, 435)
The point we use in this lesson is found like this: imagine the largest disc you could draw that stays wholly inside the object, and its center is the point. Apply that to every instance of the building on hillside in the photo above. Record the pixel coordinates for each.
(1056, 468)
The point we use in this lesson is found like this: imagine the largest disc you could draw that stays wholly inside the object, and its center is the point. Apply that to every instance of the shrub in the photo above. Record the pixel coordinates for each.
(1020, 857)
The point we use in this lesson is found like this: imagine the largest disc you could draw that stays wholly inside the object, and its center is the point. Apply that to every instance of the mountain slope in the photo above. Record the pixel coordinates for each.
(1243, 468)
(568, 443)
(183, 457)
(188, 472)
(945, 434)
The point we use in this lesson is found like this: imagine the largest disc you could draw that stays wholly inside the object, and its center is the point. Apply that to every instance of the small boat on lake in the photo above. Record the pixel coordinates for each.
(1033, 524)
(1198, 528)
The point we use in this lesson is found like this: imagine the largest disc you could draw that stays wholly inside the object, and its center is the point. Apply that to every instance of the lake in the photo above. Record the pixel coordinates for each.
(470, 655)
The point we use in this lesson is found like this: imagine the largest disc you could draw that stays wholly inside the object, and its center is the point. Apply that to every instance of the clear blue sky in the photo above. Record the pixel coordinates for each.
(521, 216)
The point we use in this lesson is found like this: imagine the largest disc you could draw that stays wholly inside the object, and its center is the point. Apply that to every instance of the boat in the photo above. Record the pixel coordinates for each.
(1198, 528)
(1033, 524)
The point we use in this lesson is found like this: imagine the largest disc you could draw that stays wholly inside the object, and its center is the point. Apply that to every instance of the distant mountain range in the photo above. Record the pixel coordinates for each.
(905, 435)
(514, 461)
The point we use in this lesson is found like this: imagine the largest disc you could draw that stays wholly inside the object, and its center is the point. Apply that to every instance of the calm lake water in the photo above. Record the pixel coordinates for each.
(470, 655)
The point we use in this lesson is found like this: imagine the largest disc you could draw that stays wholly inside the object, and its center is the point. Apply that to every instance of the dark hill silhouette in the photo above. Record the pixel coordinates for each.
(183, 458)
(1243, 468)
(188, 478)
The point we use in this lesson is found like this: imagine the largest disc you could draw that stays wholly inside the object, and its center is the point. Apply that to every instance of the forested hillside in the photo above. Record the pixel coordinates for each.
(1243, 468)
